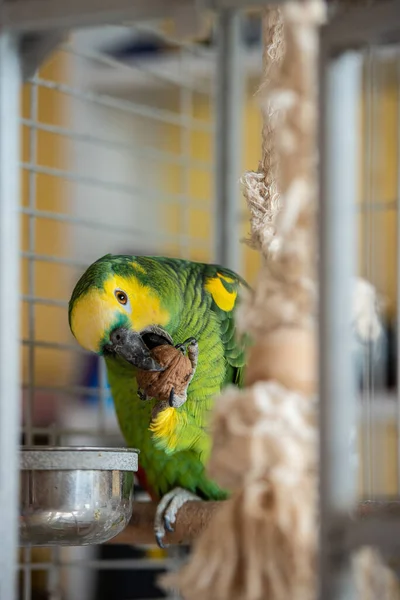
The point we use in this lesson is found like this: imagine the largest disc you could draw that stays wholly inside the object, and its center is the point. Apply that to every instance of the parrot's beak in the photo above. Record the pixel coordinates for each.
(130, 346)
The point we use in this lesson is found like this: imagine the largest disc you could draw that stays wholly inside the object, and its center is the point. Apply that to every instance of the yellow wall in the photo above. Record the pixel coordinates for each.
(378, 454)
(51, 239)
(51, 367)
(379, 183)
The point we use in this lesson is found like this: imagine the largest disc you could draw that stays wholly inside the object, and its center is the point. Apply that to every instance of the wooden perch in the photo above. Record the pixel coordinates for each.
(194, 517)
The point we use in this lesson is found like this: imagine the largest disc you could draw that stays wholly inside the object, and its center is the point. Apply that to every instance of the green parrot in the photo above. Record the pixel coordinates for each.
(121, 308)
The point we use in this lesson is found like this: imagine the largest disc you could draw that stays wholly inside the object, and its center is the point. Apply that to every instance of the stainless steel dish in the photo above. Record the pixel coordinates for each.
(72, 496)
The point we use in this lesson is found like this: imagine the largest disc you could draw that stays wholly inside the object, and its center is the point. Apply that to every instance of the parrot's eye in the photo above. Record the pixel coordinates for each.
(121, 296)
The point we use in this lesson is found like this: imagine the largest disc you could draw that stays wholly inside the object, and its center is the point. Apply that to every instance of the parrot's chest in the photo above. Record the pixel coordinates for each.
(166, 470)
(163, 471)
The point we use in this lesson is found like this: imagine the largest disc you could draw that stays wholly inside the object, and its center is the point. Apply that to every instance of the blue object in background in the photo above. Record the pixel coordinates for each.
(91, 380)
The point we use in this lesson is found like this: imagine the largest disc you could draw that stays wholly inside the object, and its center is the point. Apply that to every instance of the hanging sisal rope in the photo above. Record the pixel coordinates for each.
(260, 188)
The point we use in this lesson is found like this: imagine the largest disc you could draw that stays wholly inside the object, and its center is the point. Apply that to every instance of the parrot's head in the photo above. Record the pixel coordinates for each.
(115, 304)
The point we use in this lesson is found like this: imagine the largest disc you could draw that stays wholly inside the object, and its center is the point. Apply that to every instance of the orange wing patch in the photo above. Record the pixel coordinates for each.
(223, 298)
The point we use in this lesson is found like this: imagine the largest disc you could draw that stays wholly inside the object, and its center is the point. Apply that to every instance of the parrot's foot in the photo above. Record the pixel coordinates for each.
(191, 347)
(176, 401)
(167, 510)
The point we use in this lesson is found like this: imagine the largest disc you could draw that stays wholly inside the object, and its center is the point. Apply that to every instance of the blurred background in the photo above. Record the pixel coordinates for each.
(119, 139)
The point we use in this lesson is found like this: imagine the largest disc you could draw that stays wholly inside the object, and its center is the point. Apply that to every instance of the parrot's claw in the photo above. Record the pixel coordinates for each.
(159, 540)
(191, 347)
(185, 345)
(193, 353)
(167, 523)
(167, 510)
(176, 401)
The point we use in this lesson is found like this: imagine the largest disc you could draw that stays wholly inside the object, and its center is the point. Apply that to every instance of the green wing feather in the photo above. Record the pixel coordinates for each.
(234, 345)
(221, 359)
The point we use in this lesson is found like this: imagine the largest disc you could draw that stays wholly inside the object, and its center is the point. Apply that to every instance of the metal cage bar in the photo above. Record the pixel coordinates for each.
(9, 311)
(340, 85)
(229, 102)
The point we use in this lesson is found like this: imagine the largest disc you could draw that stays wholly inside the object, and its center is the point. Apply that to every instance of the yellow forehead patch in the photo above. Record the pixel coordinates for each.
(145, 305)
(224, 299)
(95, 313)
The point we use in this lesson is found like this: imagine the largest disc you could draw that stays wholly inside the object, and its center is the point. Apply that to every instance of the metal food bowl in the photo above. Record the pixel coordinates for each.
(72, 496)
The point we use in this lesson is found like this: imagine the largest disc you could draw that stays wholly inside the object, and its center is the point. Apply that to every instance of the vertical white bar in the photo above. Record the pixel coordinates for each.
(228, 142)
(9, 311)
(340, 80)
